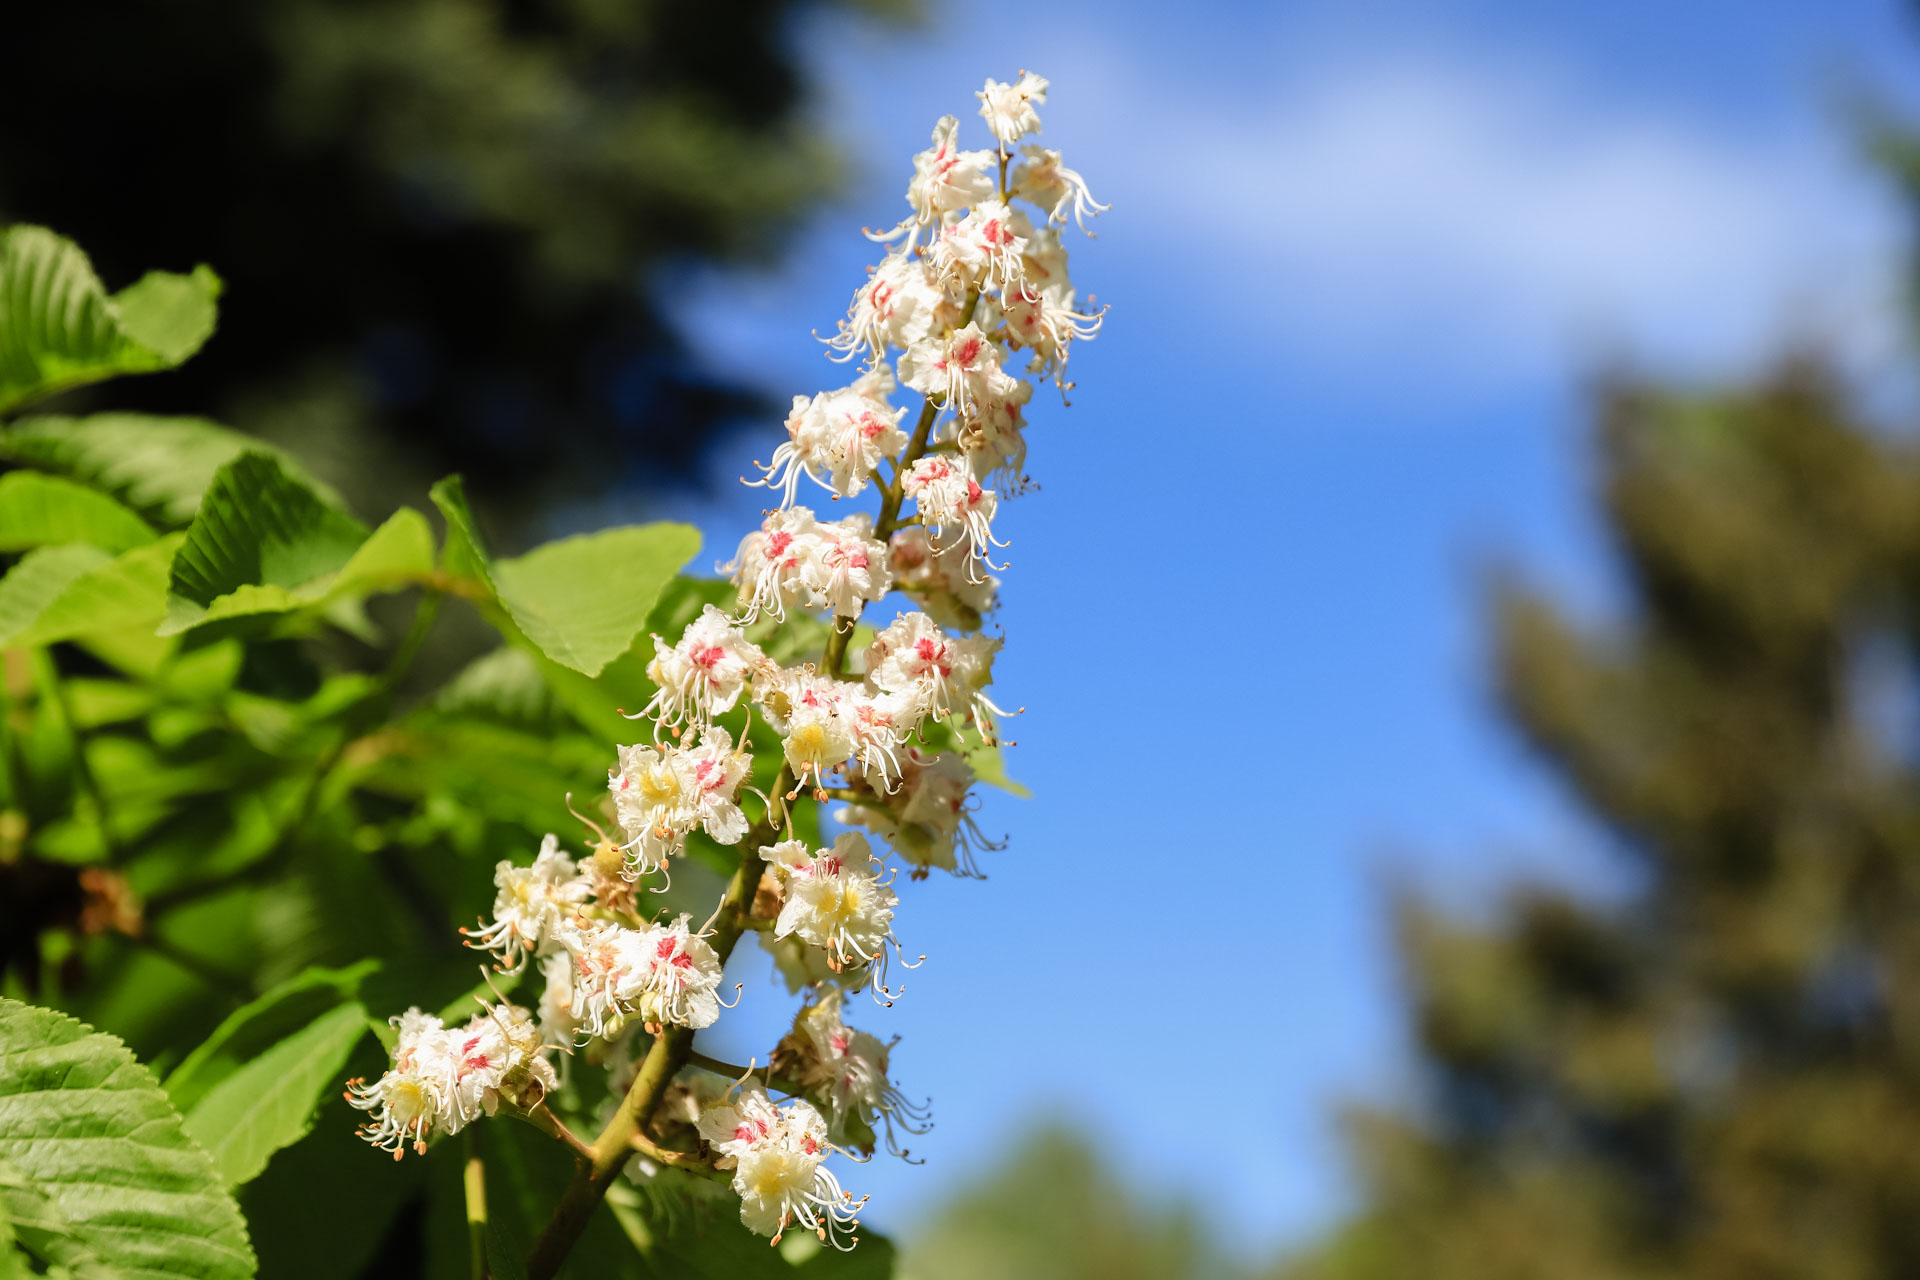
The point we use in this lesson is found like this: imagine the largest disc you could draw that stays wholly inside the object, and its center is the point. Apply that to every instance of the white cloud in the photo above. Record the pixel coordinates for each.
(1493, 221)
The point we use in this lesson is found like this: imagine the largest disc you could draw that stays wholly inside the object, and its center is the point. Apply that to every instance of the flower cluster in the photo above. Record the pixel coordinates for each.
(442, 1077)
(772, 691)
(779, 1155)
(847, 1069)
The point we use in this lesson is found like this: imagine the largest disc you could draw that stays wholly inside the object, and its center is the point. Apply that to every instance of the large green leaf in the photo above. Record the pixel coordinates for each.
(39, 1229)
(269, 1103)
(38, 510)
(583, 600)
(63, 592)
(580, 601)
(158, 466)
(59, 328)
(90, 1127)
(264, 542)
(257, 1026)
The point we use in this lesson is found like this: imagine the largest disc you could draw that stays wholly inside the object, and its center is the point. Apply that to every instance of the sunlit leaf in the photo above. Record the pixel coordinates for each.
(269, 1103)
(59, 593)
(38, 510)
(256, 1027)
(158, 466)
(580, 601)
(264, 542)
(59, 328)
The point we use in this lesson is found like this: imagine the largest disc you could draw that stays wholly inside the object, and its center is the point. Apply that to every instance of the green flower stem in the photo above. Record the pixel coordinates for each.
(474, 1181)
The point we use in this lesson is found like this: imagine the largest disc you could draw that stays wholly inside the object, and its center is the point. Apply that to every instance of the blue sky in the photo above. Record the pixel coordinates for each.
(1363, 259)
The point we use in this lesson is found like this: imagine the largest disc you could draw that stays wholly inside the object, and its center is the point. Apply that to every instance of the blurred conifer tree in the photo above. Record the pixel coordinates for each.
(442, 223)
(1718, 1076)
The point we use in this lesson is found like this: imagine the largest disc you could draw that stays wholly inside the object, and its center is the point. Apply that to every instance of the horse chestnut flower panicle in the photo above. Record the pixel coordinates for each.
(975, 273)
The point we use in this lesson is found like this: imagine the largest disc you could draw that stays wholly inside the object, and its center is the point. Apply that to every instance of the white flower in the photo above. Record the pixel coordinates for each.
(1045, 323)
(807, 451)
(945, 178)
(714, 772)
(972, 673)
(956, 370)
(865, 429)
(849, 1067)
(406, 1099)
(663, 974)
(928, 818)
(1008, 108)
(942, 580)
(849, 567)
(683, 978)
(981, 251)
(837, 438)
(949, 673)
(994, 438)
(441, 1078)
(704, 674)
(837, 900)
(529, 904)
(1055, 188)
(880, 724)
(780, 1153)
(771, 566)
(1045, 262)
(659, 795)
(497, 1053)
(949, 498)
(795, 560)
(913, 656)
(558, 1026)
(823, 722)
(899, 305)
(817, 740)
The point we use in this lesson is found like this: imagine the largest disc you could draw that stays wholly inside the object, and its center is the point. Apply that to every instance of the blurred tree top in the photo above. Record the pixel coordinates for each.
(1718, 1076)
(442, 222)
(1053, 1212)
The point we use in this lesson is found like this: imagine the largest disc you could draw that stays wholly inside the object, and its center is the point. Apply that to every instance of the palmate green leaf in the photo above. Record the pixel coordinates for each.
(39, 510)
(88, 1125)
(59, 328)
(580, 601)
(64, 592)
(269, 1103)
(158, 466)
(264, 542)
